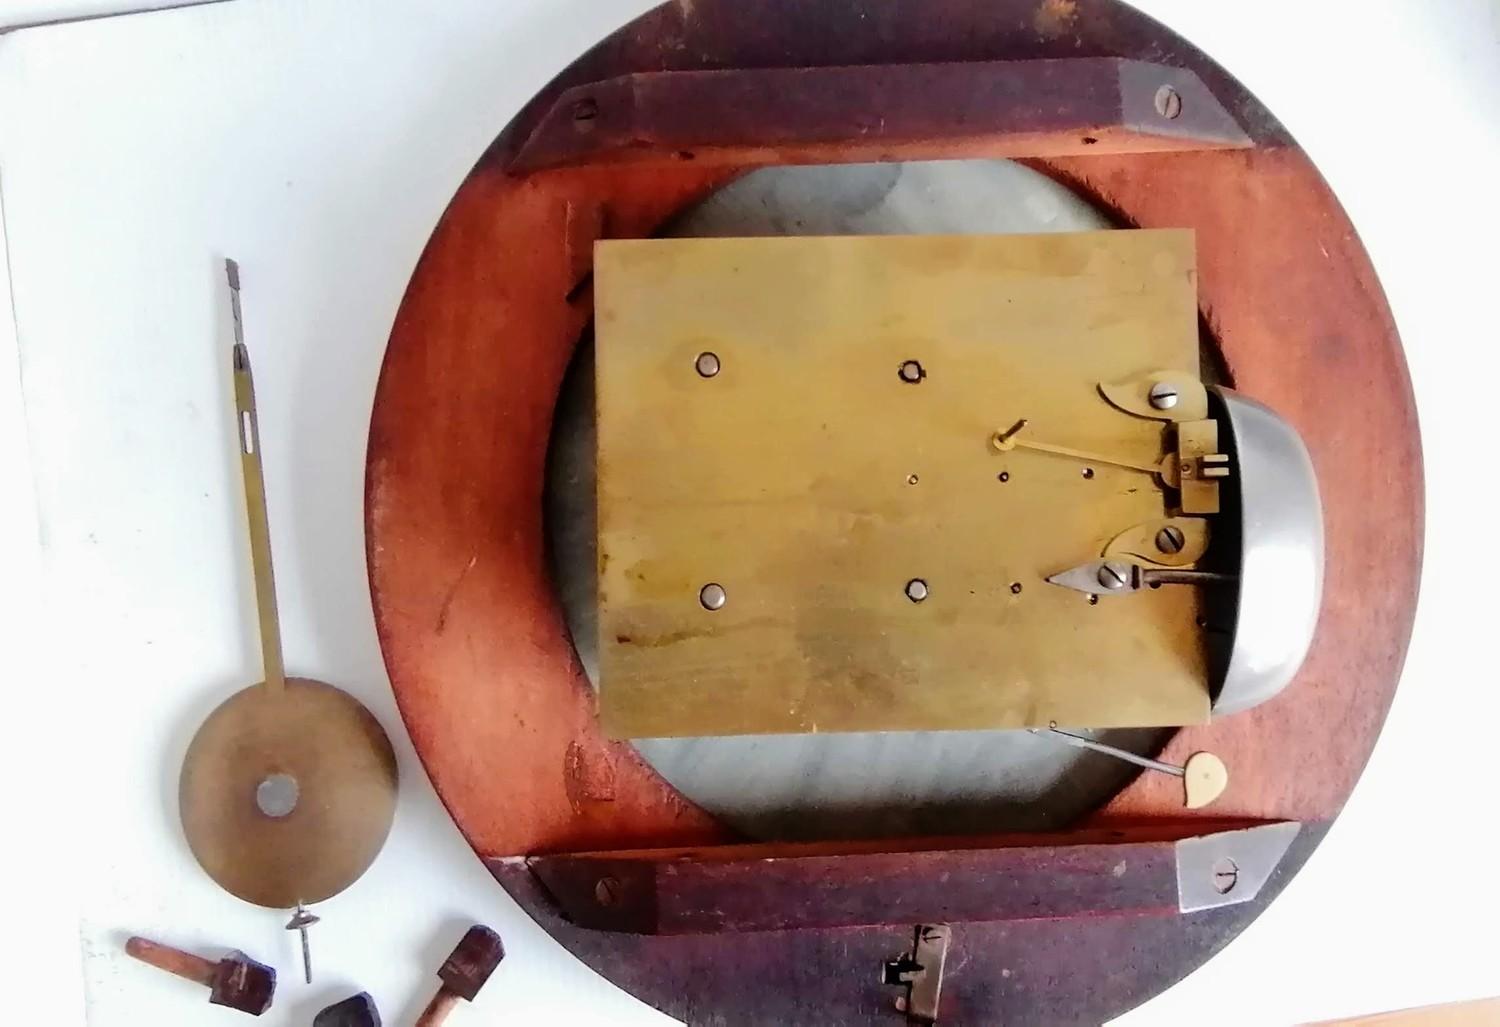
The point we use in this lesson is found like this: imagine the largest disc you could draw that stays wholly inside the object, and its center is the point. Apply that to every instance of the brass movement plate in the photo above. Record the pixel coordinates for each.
(812, 483)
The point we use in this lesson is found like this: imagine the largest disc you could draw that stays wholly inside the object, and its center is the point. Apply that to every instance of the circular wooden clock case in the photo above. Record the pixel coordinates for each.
(470, 624)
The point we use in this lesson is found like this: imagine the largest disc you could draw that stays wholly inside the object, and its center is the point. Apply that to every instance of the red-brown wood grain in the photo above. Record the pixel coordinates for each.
(775, 888)
(952, 109)
(479, 655)
(1078, 970)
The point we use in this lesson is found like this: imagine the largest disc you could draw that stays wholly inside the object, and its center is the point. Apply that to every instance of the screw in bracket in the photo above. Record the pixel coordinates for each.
(1168, 102)
(1226, 875)
(1163, 395)
(586, 109)
(1113, 576)
(607, 891)
(1170, 539)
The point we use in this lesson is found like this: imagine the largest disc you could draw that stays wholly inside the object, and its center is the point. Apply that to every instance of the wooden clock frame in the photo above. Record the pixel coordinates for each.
(656, 117)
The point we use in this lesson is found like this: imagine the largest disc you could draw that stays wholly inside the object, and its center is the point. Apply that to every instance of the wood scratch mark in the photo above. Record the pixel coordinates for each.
(442, 617)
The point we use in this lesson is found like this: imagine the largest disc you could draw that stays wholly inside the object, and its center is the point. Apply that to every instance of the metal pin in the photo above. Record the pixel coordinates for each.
(1004, 441)
(1204, 776)
(1084, 742)
(301, 920)
(712, 596)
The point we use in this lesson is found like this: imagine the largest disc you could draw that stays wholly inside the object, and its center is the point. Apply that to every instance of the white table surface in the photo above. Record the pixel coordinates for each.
(317, 142)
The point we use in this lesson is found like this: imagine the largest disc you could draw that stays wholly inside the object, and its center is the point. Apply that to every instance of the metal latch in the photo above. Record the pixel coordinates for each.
(920, 972)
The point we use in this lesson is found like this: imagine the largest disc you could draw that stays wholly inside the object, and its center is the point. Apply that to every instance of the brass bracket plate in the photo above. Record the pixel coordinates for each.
(803, 522)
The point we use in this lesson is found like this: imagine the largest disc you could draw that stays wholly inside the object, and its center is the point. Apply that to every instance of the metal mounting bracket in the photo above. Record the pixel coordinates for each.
(920, 972)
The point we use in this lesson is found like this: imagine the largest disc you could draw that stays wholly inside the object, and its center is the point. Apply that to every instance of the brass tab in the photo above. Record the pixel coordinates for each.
(1172, 542)
(1178, 396)
(1199, 465)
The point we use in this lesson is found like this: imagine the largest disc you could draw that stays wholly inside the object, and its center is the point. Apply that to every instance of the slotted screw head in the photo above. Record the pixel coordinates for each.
(1113, 576)
(1170, 539)
(1226, 875)
(1168, 102)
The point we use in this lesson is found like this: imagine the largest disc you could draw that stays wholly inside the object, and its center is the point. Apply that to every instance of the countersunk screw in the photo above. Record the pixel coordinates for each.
(712, 596)
(1168, 102)
(916, 590)
(607, 891)
(1170, 539)
(1163, 395)
(911, 372)
(1226, 875)
(1113, 576)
